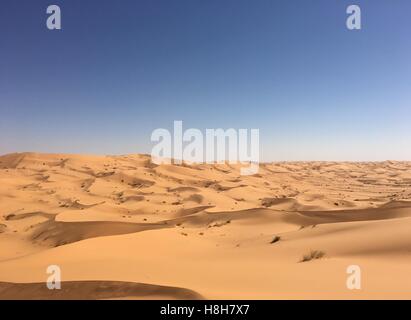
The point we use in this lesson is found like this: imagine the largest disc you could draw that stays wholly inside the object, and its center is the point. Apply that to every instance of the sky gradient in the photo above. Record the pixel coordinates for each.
(120, 69)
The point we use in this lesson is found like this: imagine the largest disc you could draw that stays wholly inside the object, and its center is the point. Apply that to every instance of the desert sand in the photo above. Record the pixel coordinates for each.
(123, 227)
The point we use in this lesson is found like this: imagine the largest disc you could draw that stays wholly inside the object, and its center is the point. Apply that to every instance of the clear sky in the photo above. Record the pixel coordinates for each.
(120, 69)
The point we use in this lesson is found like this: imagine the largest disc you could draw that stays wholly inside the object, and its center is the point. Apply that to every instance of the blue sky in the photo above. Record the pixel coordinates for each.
(120, 69)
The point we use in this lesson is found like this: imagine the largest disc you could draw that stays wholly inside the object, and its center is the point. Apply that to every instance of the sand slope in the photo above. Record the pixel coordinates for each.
(121, 227)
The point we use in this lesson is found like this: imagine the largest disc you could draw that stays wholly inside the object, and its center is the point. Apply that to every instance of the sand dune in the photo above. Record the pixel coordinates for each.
(123, 227)
(89, 290)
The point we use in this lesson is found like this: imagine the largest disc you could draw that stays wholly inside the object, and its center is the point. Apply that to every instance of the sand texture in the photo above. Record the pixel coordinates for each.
(121, 227)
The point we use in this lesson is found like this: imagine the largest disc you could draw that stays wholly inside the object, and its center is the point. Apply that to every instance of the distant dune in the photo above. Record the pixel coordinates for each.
(123, 227)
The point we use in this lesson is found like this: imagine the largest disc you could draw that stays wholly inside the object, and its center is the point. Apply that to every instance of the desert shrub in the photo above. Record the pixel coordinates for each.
(313, 255)
(275, 239)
